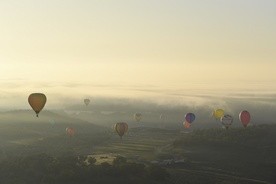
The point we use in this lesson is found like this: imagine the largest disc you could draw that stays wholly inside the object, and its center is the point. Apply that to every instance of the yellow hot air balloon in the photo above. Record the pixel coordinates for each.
(121, 128)
(218, 113)
(37, 101)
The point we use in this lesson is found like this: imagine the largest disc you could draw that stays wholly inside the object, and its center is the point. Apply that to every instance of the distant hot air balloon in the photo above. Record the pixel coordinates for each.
(226, 120)
(70, 131)
(186, 124)
(245, 118)
(86, 101)
(190, 117)
(114, 127)
(162, 117)
(137, 116)
(218, 113)
(121, 128)
(37, 101)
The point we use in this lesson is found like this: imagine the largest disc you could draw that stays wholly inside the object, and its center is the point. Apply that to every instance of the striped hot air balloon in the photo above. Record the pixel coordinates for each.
(227, 120)
(121, 128)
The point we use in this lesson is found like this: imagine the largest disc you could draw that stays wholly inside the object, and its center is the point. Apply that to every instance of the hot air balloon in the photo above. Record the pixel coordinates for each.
(114, 128)
(37, 101)
(245, 118)
(70, 131)
(226, 120)
(121, 128)
(218, 113)
(190, 117)
(186, 124)
(86, 101)
(137, 116)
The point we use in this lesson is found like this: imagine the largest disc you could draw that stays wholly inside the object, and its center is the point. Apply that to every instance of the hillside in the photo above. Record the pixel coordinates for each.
(22, 131)
(214, 155)
(237, 153)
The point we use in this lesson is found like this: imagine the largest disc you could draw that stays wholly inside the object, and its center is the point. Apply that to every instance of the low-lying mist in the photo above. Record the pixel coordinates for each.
(172, 104)
(173, 109)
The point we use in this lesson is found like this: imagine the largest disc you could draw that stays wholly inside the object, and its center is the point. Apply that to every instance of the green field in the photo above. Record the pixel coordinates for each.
(142, 144)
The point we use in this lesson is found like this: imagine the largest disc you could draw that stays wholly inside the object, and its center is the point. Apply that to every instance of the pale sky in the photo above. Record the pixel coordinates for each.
(123, 47)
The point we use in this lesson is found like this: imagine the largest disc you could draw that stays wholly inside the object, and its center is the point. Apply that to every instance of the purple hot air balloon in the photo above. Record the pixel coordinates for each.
(189, 117)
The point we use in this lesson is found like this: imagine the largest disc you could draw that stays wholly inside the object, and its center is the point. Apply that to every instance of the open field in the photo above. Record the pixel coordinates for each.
(142, 144)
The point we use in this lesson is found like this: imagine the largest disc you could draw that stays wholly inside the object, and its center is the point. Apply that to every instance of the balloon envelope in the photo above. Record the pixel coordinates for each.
(114, 127)
(137, 116)
(70, 131)
(121, 128)
(245, 118)
(227, 120)
(37, 101)
(86, 101)
(218, 113)
(190, 117)
(186, 124)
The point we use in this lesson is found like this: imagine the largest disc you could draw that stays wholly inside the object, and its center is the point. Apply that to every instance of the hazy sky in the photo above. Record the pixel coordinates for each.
(136, 47)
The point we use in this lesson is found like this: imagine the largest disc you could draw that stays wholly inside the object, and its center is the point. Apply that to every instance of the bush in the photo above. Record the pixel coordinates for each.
(91, 160)
(119, 160)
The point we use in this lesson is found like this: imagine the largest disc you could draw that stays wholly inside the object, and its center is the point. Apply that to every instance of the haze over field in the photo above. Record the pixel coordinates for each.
(137, 91)
(181, 52)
